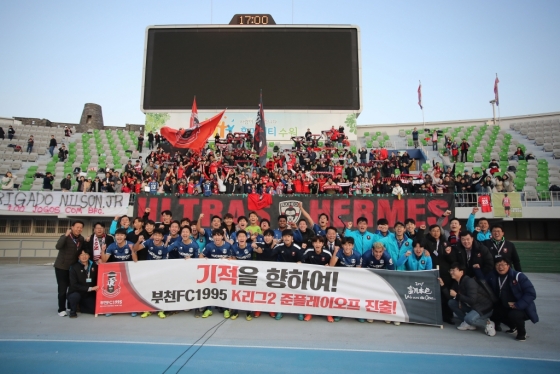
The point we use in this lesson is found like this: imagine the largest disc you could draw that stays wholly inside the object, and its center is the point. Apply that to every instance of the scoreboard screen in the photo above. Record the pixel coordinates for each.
(297, 67)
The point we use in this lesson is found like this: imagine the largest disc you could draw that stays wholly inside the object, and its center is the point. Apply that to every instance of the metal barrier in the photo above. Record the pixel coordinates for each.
(528, 199)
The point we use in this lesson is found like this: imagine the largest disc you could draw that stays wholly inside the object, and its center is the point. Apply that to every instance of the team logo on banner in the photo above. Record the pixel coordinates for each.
(291, 209)
(111, 284)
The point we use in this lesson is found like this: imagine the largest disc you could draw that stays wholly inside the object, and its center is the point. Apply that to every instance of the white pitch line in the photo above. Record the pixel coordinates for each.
(271, 347)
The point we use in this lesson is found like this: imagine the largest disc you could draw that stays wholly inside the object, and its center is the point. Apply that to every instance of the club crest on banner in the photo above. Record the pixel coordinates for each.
(291, 209)
(111, 284)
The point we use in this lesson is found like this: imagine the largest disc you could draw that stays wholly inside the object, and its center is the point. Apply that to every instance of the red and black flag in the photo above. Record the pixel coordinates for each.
(193, 138)
(259, 140)
(194, 115)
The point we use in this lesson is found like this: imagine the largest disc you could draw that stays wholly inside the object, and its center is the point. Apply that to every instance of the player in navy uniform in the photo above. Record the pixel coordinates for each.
(288, 251)
(185, 248)
(264, 252)
(319, 229)
(217, 249)
(156, 251)
(241, 251)
(377, 258)
(348, 257)
(318, 255)
(282, 225)
(174, 233)
(121, 250)
(215, 224)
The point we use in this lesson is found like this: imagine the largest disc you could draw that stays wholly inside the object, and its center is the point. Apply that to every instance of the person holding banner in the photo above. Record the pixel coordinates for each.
(348, 257)
(318, 255)
(83, 284)
(244, 252)
(287, 251)
(217, 249)
(156, 251)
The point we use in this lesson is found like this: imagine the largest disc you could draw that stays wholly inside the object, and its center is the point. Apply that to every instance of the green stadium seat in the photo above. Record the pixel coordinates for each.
(366, 133)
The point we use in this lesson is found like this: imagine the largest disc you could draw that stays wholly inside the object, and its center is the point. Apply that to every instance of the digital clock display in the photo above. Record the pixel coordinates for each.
(252, 19)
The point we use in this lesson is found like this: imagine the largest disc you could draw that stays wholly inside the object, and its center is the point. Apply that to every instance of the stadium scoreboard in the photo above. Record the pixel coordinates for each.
(298, 67)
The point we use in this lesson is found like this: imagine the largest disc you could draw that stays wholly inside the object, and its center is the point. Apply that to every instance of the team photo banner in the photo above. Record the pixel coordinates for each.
(386, 295)
(424, 209)
(66, 203)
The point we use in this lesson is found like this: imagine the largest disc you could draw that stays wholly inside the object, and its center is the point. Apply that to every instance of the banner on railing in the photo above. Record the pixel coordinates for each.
(424, 209)
(65, 203)
(507, 205)
(269, 287)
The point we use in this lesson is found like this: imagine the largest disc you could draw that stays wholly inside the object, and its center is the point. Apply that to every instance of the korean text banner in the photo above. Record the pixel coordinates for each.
(65, 203)
(269, 287)
(424, 209)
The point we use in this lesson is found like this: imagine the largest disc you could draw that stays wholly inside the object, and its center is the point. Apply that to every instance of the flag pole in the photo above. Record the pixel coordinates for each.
(499, 114)
(422, 106)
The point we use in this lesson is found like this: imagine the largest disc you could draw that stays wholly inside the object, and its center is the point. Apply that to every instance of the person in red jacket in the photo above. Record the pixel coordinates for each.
(298, 185)
(338, 170)
(306, 184)
(383, 154)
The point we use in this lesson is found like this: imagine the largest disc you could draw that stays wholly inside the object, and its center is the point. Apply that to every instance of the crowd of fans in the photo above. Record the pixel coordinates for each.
(311, 166)
(230, 166)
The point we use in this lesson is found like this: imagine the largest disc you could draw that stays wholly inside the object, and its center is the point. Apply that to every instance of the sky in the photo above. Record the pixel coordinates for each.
(57, 55)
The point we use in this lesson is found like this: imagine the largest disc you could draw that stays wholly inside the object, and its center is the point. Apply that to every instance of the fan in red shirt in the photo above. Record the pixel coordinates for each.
(338, 170)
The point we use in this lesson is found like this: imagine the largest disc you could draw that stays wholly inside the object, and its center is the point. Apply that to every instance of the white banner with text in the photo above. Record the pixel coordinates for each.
(269, 287)
(65, 203)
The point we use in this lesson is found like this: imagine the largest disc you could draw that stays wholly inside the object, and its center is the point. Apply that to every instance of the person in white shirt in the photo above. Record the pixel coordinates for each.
(398, 191)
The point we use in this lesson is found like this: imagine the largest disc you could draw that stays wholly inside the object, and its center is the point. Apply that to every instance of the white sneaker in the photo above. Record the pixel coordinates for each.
(63, 313)
(387, 322)
(490, 329)
(465, 326)
(370, 321)
(397, 323)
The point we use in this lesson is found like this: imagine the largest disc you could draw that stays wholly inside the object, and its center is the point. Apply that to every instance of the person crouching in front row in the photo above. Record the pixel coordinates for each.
(83, 285)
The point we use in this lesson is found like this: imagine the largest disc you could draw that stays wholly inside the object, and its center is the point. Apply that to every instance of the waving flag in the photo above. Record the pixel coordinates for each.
(420, 95)
(193, 138)
(496, 95)
(194, 114)
(259, 139)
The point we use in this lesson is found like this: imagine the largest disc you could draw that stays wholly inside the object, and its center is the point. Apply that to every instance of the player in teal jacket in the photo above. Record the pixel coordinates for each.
(395, 244)
(415, 259)
(484, 227)
(363, 239)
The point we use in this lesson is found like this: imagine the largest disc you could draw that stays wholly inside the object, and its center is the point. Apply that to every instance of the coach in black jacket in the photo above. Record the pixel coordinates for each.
(499, 247)
(69, 247)
(443, 255)
(83, 285)
(474, 256)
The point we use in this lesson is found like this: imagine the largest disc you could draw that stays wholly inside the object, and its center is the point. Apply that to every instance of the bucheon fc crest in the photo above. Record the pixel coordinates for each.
(291, 209)
(111, 284)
